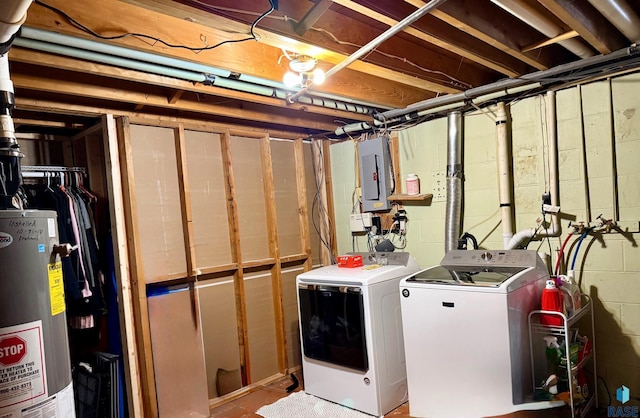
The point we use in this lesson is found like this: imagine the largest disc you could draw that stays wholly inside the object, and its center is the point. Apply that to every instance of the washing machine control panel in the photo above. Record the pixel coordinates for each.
(515, 258)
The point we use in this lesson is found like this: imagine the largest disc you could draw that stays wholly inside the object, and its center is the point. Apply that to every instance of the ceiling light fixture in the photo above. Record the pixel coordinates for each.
(302, 72)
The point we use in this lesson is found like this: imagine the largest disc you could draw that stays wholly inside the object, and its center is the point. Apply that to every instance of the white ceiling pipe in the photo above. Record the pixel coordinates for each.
(541, 23)
(621, 15)
(13, 13)
(375, 42)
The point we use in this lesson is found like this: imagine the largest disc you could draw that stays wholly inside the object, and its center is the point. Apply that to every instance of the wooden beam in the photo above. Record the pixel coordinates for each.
(464, 51)
(187, 220)
(103, 70)
(236, 257)
(138, 283)
(562, 37)
(274, 251)
(303, 206)
(325, 51)
(126, 305)
(116, 17)
(175, 96)
(478, 19)
(312, 16)
(328, 187)
(67, 108)
(589, 24)
(157, 99)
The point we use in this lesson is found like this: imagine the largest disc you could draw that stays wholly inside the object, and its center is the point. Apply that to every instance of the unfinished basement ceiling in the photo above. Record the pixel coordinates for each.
(459, 45)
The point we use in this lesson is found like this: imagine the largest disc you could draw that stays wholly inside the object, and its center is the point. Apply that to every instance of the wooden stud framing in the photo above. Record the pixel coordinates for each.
(328, 190)
(187, 219)
(236, 256)
(126, 305)
(274, 251)
(303, 207)
(139, 290)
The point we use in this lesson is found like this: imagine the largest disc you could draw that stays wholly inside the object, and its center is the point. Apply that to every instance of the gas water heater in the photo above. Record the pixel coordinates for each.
(35, 370)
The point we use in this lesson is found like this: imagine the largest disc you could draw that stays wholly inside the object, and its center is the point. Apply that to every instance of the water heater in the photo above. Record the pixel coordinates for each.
(35, 370)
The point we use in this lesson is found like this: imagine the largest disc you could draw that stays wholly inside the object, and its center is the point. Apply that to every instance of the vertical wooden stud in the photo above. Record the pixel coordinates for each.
(126, 303)
(236, 255)
(274, 251)
(187, 219)
(139, 290)
(303, 207)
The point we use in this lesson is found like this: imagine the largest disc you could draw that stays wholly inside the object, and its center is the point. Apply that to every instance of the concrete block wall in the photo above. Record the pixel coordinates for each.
(602, 118)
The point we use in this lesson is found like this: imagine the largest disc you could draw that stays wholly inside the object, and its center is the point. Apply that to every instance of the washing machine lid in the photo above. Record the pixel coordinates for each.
(466, 276)
(506, 269)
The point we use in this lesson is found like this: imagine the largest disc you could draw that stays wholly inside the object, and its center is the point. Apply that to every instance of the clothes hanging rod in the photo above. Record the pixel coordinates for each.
(52, 168)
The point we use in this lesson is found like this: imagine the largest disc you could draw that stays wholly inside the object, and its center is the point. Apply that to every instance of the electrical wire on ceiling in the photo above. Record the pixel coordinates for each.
(84, 28)
(455, 82)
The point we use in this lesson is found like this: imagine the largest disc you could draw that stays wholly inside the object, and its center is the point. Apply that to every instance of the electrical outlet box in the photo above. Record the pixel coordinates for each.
(360, 221)
(439, 182)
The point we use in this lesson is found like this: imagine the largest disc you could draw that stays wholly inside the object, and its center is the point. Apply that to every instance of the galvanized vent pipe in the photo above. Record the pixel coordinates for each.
(453, 217)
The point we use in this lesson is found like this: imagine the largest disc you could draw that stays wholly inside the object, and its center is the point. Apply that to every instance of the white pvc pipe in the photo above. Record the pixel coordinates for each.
(623, 16)
(554, 229)
(504, 173)
(375, 42)
(13, 13)
(541, 23)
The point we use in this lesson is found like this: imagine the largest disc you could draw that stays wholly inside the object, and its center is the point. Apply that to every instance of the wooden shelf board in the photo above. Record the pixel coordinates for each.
(416, 197)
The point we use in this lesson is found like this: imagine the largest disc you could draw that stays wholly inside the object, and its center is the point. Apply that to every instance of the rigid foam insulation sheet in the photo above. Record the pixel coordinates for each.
(178, 358)
(248, 179)
(290, 302)
(208, 199)
(159, 216)
(286, 194)
(261, 325)
(220, 335)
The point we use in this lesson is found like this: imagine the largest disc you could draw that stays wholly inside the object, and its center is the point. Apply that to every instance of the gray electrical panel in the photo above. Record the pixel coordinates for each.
(375, 174)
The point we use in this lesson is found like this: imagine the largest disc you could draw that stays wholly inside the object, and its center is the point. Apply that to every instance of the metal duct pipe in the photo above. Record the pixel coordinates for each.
(376, 41)
(504, 172)
(623, 17)
(453, 217)
(541, 23)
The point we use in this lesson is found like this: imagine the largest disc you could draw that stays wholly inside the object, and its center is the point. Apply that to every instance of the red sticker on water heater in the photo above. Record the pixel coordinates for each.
(5, 239)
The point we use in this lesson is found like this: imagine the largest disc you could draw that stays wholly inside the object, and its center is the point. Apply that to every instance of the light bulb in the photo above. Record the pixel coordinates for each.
(291, 79)
(318, 76)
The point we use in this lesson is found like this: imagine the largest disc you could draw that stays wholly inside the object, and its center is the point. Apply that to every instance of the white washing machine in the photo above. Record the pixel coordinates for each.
(351, 333)
(465, 333)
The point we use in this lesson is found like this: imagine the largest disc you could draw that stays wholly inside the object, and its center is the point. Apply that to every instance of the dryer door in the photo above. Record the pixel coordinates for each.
(333, 325)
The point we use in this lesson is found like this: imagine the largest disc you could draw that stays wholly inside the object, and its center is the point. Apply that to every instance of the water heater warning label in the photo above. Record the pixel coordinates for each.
(22, 373)
(56, 288)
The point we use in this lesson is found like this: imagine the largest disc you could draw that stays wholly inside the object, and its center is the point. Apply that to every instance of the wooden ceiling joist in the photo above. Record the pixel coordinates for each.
(312, 16)
(590, 24)
(116, 17)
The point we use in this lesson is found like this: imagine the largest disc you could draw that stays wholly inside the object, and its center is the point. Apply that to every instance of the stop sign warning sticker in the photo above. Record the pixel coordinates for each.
(22, 373)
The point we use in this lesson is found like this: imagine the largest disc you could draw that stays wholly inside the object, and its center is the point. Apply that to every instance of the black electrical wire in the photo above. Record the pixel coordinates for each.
(153, 38)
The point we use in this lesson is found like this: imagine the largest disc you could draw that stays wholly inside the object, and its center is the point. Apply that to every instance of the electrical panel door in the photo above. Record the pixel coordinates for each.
(375, 174)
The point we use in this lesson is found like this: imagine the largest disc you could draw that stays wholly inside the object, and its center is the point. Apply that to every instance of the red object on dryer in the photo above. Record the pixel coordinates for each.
(349, 261)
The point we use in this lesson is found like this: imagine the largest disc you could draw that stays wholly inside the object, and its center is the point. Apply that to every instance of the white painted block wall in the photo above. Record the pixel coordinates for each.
(611, 269)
